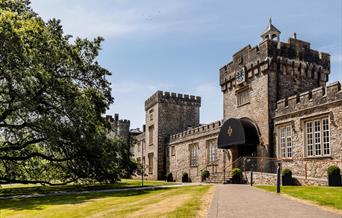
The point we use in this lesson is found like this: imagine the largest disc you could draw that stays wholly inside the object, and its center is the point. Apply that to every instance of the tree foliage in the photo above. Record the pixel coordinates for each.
(52, 95)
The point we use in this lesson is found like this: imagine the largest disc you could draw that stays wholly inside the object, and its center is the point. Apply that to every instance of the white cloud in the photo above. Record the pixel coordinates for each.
(113, 19)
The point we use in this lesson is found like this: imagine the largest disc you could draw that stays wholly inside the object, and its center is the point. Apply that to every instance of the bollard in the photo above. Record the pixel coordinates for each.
(278, 178)
(251, 177)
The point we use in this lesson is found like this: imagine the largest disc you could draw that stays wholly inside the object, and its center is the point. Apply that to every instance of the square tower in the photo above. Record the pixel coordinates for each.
(166, 114)
(257, 77)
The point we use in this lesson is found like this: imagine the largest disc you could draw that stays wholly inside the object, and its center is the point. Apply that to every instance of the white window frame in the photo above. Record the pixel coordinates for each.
(317, 137)
(285, 141)
(193, 155)
(242, 97)
(212, 151)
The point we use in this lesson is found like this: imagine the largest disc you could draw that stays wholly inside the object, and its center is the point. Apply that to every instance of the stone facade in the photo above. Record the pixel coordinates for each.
(166, 114)
(295, 112)
(119, 127)
(274, 85)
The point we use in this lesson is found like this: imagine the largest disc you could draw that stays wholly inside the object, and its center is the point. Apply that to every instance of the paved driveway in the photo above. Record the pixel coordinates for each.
(246, 201)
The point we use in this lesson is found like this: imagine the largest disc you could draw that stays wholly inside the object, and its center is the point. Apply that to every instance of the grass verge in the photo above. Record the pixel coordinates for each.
(168, 202)
(18, 189)
(322, 195)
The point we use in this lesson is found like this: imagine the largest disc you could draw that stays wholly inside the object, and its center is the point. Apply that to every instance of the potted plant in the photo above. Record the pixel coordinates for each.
(169, 177)
(185, 177)
(287, 177)
(236, 176)
(334, 176)
(205, 175)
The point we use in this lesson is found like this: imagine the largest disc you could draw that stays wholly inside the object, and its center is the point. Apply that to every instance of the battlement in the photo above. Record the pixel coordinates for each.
(295, 54)
(315, 97)
(124, 121)
(172, 98)
(195, 131)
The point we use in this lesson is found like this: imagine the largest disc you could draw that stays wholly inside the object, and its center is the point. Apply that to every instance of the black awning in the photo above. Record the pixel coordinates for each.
(238, 132)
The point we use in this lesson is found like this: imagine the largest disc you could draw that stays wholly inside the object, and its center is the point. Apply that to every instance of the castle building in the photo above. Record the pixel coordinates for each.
(277, 106)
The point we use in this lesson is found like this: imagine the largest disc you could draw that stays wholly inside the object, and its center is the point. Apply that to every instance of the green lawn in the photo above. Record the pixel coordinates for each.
(322, 195)
(170, 202)
(18, 189)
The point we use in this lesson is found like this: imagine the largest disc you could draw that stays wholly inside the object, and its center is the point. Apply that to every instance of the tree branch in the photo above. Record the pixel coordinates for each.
(34, 154)
(16, 147)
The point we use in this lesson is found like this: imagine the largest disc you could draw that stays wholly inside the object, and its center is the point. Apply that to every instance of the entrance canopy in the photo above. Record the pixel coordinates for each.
(238, 132)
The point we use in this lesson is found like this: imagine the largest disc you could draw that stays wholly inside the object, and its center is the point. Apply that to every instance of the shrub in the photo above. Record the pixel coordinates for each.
(169, 177)
(287, 172)
(205, 175)
(334, 170)
(236, 172)
(185, 177)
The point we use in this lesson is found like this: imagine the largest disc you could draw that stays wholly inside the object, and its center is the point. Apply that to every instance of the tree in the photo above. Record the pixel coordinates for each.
(52, 95)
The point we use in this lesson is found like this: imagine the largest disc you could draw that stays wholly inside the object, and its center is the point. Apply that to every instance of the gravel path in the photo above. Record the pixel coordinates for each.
(245, 201)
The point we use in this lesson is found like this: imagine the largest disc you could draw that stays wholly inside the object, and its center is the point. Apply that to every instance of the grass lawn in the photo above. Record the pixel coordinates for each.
(18, 189)
(170, 202)
(322, 195)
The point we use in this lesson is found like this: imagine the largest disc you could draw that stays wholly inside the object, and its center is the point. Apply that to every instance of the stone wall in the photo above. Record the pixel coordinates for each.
(171, 113)
(294, 111)
(271, 179)
(201, 136)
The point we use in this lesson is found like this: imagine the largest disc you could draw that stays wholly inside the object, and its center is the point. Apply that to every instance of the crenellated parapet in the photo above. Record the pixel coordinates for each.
(294, 57)
(172, 98)
(313, 98)
(123, 122)
(195, 132)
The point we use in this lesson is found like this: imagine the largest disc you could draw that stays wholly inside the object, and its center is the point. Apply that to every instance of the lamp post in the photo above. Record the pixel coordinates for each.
(278, 177)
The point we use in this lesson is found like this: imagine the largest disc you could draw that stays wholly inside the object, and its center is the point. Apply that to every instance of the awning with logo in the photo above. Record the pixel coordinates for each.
(238, 132)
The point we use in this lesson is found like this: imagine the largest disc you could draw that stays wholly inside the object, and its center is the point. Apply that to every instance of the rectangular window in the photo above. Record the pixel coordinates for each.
(317, 135)
(139, 146)
(285, 141)
(243, 97)
(173, 152)
(193, 155)
(212, 151)
(151, 114)
(150, 135)
(150, 163)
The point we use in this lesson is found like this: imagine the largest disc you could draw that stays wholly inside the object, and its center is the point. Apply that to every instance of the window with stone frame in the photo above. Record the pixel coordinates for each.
(151, 114)
(212, 151)
(139, 146)
(243, 97)
(193, 155)
(150, 163)
(150, 135)
(173, 152)
(285, 141)
(317, 137)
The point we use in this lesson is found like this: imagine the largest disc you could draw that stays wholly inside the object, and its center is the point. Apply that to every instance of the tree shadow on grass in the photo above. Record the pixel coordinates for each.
(12, 191)
(37, 203)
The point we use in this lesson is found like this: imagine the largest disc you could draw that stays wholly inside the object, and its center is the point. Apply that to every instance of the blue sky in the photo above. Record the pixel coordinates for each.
(180, 45)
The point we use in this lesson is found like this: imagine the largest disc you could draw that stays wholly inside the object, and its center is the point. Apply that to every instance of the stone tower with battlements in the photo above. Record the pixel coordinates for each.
(119, 127)
(259, 76)
(166, 114)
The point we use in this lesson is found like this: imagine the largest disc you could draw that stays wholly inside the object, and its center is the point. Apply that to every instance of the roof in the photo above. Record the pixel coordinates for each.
(270, 28)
